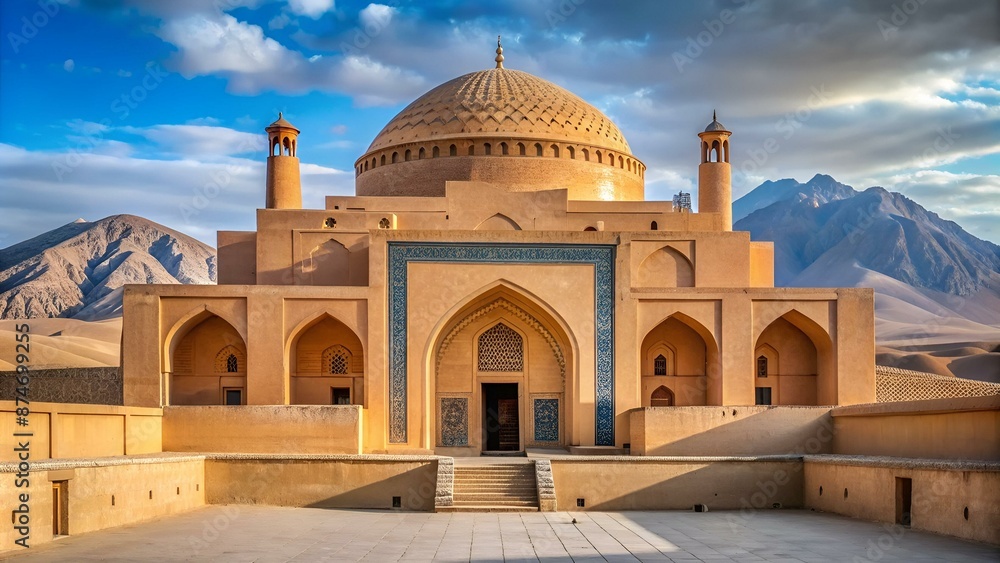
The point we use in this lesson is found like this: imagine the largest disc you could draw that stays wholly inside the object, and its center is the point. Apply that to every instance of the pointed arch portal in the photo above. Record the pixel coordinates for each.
(602, 257)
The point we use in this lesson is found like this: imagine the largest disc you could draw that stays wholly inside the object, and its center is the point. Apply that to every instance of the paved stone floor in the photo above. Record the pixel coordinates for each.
(252, 533)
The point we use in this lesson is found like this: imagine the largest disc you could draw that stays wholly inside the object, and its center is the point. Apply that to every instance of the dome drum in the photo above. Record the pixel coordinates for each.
(426, 177)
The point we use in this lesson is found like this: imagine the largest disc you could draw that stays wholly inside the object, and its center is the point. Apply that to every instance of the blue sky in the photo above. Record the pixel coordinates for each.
(156, 107)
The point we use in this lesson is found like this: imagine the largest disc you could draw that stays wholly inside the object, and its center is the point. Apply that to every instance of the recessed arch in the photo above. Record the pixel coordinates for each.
(696, 364)
(309, 350)
(457, 335)
(806, 373)
(665, 267)
(205, 355)
(189, 320)
(498, 222)
(662, 396)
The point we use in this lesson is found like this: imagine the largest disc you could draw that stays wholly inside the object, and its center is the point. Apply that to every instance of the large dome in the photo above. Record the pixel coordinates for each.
(463, 129)
(503, 101)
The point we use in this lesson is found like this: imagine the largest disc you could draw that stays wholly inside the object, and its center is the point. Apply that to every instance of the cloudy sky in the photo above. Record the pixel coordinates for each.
(156, 107)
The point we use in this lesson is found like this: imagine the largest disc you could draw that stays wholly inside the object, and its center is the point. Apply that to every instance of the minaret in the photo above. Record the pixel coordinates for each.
(715, 176)
(284, 187)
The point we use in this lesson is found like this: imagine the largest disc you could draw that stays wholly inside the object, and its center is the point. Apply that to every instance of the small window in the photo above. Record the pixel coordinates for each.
(487, 149)
(338, 364)
(763, 395)
(383, 223)
(232, 364)
(435, 152)
(234, 397)
(660, 365)
(761, 366)
(330, 223)
(452, 150)
(341, 395)
(653, 226)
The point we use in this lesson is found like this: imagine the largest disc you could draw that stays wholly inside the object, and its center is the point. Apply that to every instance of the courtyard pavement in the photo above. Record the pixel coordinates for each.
(265, 534)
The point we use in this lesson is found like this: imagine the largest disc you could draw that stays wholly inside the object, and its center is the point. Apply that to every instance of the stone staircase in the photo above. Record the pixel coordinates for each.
(496, 487)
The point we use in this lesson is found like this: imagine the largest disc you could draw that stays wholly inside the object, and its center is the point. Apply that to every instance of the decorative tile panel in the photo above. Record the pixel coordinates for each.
(454, 421)
(602, 257)
(546, 420)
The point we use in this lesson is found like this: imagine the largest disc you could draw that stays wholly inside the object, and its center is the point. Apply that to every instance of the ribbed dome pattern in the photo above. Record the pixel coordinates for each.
(501, 102)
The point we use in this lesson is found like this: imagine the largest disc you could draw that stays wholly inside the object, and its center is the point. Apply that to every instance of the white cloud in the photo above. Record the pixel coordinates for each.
(279, 21)
(376, 16)
(190, 195)
(221, 43)
(310, 8)
(69, 65)
(201, 141)
(239, 51)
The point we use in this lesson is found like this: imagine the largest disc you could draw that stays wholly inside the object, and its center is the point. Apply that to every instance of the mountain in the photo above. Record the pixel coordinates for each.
(932, 279)
(819, 190)
(78, 270)
(878, 230)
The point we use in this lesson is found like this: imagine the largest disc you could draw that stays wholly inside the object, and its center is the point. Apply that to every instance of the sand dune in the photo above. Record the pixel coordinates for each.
(56, 343)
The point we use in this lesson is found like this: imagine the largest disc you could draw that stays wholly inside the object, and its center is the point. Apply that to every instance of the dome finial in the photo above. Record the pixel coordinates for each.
(499, 58)
(713, 116)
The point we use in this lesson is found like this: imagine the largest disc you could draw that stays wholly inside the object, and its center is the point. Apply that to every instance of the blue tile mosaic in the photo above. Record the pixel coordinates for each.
(546, 420)
(602, 257)
(454, 421)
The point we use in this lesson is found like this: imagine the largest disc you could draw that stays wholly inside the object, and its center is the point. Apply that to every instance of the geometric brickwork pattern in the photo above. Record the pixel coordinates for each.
(336, 360)
(91, 386)
(454, 421)
(515, 311)
(501, 349)
(503, 102)
(546, 420)
(601, 257)
(230, 360)
(895, 384)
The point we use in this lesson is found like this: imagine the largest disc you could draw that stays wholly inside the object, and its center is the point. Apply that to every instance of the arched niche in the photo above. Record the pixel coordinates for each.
(506, 320)
(666, 267)
(498, 222)
(801, 368)
(690, 358)
(201, 357)
(326, 363)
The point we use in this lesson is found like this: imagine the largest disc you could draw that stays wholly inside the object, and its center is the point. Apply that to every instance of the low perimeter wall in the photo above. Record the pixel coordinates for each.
(278, 429)
(323, 481)
(961, 428)
(731, 431)
(61, 430)
(654, 483)
(98, 494)
(946, 497)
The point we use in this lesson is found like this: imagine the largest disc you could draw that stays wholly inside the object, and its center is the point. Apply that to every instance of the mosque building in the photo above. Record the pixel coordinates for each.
(498, 282)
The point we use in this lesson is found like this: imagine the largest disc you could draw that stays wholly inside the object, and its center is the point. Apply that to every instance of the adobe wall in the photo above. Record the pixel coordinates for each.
(104, 493)
(291, 429)
(324, 482)
(76, 431)
(740, 431)
(632, 483)
(959, 428)
(955, 498)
